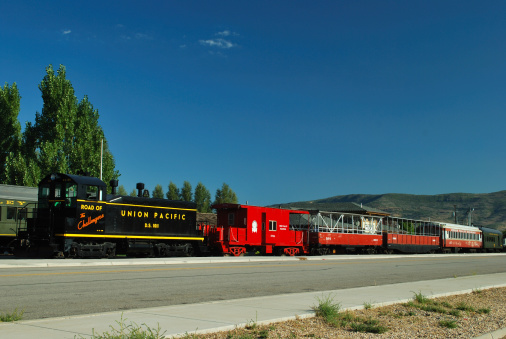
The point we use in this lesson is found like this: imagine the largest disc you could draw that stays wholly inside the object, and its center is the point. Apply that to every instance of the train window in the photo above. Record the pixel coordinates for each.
(91, 192)
(231, 219)
(44, 191)
(71, 195)
(1, 212)
(58, 190)
(11, 213)
(273, 225)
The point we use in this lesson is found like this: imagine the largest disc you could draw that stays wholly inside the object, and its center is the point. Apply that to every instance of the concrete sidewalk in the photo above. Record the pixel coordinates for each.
(226, 315)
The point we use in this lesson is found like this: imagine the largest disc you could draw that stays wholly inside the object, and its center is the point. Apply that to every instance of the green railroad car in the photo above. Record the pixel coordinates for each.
(16, 204)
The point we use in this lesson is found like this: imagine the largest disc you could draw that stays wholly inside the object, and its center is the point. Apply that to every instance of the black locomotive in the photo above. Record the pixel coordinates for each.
(77, 218)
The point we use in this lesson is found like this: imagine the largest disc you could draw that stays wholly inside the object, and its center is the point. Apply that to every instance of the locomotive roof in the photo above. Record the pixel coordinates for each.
(78, 179)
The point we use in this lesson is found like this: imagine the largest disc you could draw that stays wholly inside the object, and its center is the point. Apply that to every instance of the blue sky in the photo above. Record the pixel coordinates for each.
(282, 100)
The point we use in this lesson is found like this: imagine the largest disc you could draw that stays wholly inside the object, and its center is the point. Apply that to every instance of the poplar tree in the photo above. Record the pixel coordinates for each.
(10, 128)
(186, 191)
(157, 192)
(202, 198)
(65, 137)
(122, 190)
(225, 195)
(173, 193)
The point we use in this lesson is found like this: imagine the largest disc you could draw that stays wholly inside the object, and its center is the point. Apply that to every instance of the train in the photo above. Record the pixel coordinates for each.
(15, 202)
(75, 217)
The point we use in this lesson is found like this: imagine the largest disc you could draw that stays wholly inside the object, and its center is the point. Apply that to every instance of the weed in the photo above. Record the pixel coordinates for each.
(252, 324)
(14, 316)
(448, 323)
(131, 331)
(420, 298)
(369, 326)
(483, 310)
(327, 308)
(433, 308)
(263, 334)
(477, 291)
(367, 305)
(455, 313)
(464, 307)
(446, 304)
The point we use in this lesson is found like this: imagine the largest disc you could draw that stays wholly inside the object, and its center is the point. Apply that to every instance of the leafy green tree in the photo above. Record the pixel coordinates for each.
(158, 192)
(10, 128)
(133, 193)
(202, 198)
(173, 193)
(65, 137)
(225, 195)
(186, 192)
(122, 190)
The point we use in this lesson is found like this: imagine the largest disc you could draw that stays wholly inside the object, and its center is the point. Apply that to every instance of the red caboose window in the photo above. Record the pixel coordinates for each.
(273, 225)
(231, 219)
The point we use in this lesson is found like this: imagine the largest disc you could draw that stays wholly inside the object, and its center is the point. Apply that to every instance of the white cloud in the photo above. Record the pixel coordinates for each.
(66, 31)
(143, 36)
(220, 43)
(224, 33)
(227, 33)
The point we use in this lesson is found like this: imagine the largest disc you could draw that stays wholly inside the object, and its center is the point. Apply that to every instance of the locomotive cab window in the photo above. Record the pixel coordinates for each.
(92, 193)
(71, 195)
(231, 219)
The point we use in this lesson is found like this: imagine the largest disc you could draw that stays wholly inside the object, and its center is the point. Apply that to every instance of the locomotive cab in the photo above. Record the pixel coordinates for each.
(61, 198)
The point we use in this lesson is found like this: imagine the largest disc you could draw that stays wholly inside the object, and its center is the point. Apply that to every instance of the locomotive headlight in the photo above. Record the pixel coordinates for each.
(53, 176)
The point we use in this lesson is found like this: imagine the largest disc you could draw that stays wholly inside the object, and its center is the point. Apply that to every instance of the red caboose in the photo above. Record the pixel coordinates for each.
(244, 228)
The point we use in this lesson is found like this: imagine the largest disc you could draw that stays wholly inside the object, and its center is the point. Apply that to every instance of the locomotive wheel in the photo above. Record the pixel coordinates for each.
(189, 251)
(110, 253)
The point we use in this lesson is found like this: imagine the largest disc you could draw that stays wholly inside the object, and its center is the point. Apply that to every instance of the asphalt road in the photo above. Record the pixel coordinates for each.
(60, 291)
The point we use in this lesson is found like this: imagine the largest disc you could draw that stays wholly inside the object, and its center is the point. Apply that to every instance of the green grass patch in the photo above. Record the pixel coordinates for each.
(455, 313)
(464, 307)
(369, 326)
(483, 310)
(367, 305)
(14, 316)
(433, 308)
(327, 308)
(330, 311)
(448, 323)
(420, 298)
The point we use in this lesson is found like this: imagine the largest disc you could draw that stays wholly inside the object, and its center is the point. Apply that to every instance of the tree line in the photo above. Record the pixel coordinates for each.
(67, 138)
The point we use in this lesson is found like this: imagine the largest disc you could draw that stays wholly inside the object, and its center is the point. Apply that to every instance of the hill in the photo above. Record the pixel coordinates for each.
(489, 208)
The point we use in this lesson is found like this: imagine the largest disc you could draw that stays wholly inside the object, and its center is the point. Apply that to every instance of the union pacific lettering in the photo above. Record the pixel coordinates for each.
(134, 214)
(156, 215)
